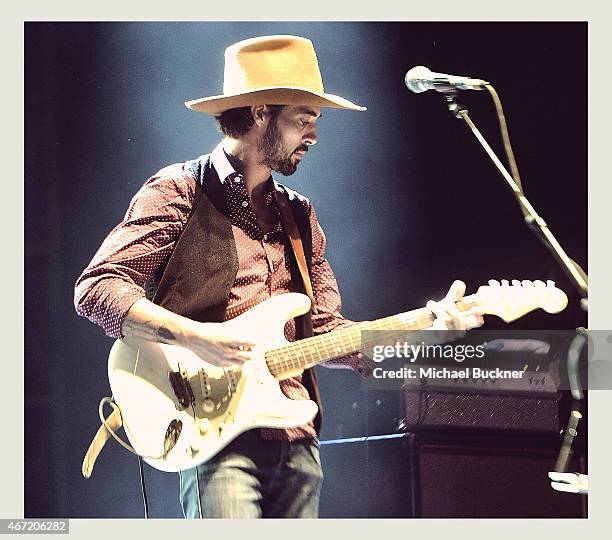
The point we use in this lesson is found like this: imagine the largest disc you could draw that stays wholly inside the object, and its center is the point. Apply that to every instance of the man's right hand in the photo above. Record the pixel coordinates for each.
(216, 343)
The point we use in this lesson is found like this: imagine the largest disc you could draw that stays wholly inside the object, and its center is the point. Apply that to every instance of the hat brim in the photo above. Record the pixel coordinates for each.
(270, 96)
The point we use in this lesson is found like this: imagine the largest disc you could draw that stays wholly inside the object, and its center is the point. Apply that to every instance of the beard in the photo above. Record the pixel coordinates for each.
(276, 156)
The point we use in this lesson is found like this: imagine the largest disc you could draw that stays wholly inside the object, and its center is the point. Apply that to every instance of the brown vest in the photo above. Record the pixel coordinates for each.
(200, 273)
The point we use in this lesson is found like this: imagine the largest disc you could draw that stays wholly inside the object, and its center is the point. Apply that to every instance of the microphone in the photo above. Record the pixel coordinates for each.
(419, 79)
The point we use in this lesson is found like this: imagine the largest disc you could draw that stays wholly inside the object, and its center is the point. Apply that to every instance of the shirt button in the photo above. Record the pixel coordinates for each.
(237, 179)
(265, 237)
(245, 204)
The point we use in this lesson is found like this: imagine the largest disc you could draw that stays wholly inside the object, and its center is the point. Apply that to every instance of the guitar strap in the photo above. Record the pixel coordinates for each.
(288, 221)
(309, 376)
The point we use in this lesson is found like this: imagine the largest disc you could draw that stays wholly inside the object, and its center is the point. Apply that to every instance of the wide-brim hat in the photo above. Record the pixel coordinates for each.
(273, 70)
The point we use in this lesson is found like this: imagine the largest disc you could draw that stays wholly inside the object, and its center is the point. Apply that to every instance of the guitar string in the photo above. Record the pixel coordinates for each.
(344, 341)
(298, 354)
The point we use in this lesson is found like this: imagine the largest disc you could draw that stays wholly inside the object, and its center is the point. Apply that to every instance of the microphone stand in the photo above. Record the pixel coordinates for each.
(560, 480)
(532, 219)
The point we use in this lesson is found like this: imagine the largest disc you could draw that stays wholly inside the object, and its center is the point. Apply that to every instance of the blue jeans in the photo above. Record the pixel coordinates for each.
(254, 477)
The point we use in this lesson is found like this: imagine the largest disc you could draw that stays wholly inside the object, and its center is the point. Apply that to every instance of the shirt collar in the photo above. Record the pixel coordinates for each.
(226, 171)
(221, 164)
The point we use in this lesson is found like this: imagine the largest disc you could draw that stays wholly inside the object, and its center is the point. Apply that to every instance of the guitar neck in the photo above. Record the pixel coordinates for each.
(292, 359)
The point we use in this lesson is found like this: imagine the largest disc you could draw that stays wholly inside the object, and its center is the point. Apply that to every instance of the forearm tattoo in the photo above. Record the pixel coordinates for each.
(165, 335)
(149, 329)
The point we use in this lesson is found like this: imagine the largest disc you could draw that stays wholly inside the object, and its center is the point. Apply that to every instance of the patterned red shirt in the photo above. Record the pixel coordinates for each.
(144, 240)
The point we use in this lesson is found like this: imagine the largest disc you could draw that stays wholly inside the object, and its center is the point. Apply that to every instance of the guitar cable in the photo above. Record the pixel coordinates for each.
(143, 488)
(110, 401)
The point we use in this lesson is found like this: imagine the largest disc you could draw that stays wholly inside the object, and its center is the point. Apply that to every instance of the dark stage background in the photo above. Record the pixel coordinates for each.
(407, 199)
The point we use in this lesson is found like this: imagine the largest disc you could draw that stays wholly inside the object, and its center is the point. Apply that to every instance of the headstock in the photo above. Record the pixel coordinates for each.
(512, 300)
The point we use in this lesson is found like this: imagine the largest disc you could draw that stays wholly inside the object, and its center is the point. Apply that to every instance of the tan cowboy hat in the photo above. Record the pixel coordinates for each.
(274, 70)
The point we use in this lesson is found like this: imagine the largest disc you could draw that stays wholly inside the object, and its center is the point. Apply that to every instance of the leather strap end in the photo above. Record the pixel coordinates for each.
(114, 422)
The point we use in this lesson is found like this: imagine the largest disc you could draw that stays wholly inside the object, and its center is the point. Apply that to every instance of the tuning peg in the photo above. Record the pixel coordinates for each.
(494, 283)
(516, 283)
(505, 283)
(539, 283)
(550, 283)
(526, 283)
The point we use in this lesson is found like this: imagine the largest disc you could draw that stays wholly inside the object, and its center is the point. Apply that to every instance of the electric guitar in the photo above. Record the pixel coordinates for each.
(178, 410)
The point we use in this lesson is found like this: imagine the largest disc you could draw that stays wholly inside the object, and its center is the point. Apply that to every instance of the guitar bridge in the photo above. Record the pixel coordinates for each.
(182, 390)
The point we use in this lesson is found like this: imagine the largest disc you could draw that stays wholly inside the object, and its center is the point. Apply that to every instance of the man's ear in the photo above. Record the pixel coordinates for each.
(259, 113)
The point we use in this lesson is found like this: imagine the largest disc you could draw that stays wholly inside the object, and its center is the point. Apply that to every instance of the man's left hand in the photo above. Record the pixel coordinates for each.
(448, 317)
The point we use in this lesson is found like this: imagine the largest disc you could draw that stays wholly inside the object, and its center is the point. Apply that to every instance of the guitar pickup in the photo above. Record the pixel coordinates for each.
(182, 390)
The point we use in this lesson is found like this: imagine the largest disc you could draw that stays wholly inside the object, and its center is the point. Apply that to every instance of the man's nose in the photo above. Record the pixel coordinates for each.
(311, 136)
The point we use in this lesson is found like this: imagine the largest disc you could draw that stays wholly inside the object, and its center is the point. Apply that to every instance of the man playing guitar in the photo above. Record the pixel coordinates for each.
(210, 237)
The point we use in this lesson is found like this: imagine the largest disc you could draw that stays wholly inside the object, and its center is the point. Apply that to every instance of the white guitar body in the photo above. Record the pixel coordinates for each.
(227, 401)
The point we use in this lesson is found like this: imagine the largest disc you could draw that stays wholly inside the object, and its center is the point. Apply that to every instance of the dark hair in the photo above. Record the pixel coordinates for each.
(236, 122)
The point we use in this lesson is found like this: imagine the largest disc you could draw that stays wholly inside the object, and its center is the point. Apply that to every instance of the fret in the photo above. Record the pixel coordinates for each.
(327, 348)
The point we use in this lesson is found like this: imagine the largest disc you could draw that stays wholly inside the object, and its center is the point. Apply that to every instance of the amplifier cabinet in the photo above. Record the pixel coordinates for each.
(442, 475)
(491, 476)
